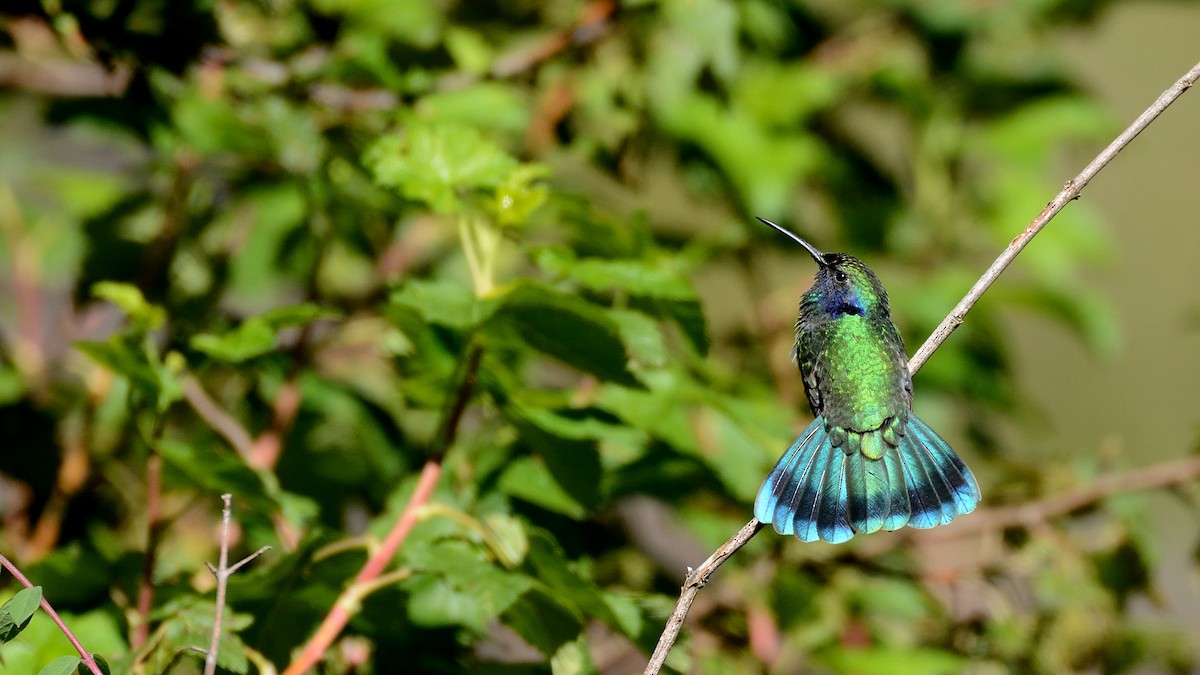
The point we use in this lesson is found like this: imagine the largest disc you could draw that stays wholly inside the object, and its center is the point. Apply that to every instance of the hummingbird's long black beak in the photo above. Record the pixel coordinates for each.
(812, 250)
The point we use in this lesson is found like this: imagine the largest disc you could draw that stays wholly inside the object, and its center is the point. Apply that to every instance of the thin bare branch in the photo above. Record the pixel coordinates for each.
(222, 572)
(216, 417)
(696, 580)
(1031, 514)
(1015, 515)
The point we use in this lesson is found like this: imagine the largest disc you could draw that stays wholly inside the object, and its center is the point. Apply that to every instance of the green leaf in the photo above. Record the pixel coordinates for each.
(636, 277)
(132, 359)
(63, 665)
(500, 106)
(187, 622)
(442, 303)
(566, 328)
(687, 314)
(572, 459)
(257, 335)
(291, 316)
(528, 478)
(129, 299)
(219, 471)
(544, 621)
(627, 616)
(655, 290)
(456, 586)
(509, 534)
(894, 660)
(573, 658)
(432, 163)
(16, 613)
(520, 194)
(642, 337)
(566, 584)
(254, 337)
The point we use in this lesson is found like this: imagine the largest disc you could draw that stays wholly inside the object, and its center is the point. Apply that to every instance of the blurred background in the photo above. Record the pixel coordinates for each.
(297, 251)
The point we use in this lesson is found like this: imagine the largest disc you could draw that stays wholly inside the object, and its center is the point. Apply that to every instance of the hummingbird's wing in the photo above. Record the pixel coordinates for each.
(812, 363)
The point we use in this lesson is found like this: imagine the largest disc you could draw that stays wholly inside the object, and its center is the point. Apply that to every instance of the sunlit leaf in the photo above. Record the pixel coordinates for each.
(63, 665)
(431, 163)
(16, 613)
(455, 586)
(444, 303)
(130, 300)
(529, 479)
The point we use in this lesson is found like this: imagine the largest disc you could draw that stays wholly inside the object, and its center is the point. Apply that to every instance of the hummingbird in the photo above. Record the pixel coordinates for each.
(866, 463)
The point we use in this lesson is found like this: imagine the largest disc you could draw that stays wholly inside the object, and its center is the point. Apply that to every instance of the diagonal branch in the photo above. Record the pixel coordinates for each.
(698, 577)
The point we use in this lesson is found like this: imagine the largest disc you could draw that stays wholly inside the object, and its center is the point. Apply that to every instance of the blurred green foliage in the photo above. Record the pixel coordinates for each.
(260, 244)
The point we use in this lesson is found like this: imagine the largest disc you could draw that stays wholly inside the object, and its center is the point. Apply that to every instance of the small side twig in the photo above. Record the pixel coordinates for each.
(953, 320)
(84, 655)
(222, 572)
(217, 417)
(1033, 513)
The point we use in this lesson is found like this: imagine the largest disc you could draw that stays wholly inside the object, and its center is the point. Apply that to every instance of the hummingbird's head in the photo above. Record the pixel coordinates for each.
(844, 284)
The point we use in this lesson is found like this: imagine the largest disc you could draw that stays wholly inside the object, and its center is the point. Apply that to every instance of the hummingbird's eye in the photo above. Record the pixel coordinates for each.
(840, 276)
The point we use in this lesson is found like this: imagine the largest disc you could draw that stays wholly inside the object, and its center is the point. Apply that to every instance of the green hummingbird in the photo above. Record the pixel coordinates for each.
(866, 463)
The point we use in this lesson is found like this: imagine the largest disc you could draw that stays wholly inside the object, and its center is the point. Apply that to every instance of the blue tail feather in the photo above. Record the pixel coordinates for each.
(899, 508)
(869, 478)
(817, 491)
(833, 515)
(791, 478)
(803, 521)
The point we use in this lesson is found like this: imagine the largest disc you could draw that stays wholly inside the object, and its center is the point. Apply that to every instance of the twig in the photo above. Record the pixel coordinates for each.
(1039, 511)
(222, 572)
(349, 599)
(84, 655)
(696, 580)
(1016, 514)
(217, 417)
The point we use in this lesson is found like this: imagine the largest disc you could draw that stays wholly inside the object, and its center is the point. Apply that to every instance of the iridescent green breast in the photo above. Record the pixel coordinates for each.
(861, 378)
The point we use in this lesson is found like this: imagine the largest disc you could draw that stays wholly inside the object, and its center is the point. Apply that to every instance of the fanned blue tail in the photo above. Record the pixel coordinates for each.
(817, 491)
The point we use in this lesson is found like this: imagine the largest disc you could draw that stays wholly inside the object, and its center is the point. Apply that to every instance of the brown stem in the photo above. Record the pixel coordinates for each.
(1016, 514)
(84, 655)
